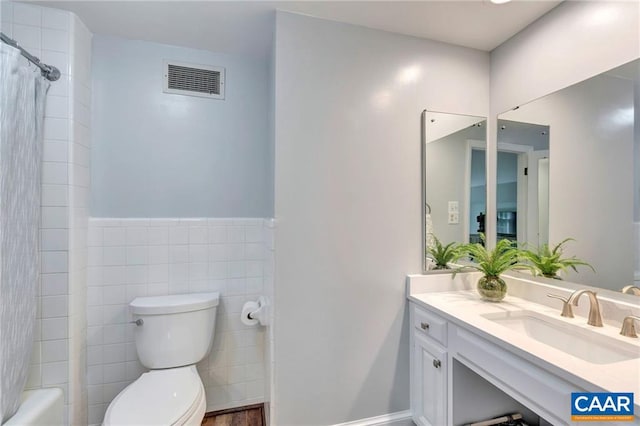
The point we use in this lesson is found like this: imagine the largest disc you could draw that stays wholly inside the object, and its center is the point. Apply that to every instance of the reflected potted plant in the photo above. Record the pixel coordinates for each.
(492, 263)
(443, 255)
(548, 261)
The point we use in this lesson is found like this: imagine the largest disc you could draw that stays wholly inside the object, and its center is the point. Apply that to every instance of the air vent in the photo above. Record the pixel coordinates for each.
(193, 80)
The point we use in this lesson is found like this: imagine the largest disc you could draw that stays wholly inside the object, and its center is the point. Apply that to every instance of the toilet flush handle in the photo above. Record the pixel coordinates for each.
(137, 322)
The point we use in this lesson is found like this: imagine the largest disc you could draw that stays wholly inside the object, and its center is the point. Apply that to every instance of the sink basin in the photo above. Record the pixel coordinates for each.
(576, 341)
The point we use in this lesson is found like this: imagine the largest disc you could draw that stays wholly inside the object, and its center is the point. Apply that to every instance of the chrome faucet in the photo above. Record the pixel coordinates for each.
(635, 290)
(595, 317)
(628, 327)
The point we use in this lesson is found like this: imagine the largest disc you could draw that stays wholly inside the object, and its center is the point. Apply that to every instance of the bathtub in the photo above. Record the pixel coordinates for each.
(39, 407)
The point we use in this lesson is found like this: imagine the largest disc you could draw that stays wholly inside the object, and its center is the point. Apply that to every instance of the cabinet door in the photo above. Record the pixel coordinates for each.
(428, 382)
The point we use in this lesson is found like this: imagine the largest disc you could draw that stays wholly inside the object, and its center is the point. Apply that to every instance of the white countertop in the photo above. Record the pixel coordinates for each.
(465, 308)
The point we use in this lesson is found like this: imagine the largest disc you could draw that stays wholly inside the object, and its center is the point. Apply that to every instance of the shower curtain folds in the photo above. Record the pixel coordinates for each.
(22, 100)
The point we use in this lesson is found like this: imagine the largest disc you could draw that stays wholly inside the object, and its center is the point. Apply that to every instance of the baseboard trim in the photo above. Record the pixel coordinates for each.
(385, 419)
(234, 410)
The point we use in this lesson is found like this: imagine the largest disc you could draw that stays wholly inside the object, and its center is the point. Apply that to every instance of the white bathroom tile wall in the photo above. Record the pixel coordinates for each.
(57, 107)
(58, 358)
(55, 151)
(55, 19)
(30, 36)
(144, 257)
(22, 14)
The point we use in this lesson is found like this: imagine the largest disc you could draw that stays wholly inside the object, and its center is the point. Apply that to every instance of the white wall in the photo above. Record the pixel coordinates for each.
(447, 161)
(347, 203)
(636, 145)
(150, 257)
(636, 177)
(167, 155)
(59, 38)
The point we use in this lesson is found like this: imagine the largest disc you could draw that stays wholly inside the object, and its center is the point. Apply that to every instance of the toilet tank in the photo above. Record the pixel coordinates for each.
(174, 330)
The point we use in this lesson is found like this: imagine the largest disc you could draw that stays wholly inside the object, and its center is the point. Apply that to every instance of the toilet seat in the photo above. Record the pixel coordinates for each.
(173, 396)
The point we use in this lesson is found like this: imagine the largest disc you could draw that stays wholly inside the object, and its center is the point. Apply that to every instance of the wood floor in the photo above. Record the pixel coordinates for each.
(252, 415)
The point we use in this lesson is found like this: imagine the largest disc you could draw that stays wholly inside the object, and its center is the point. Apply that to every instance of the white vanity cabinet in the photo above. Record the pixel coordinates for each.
(436, 345)
(460, 374)
(428, 368)
(467, 366)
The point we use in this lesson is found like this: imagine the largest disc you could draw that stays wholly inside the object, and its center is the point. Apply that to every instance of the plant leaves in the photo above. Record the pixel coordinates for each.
(549, 262)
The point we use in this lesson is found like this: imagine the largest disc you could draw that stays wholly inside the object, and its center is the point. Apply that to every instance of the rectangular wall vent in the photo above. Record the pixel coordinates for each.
(193, 80)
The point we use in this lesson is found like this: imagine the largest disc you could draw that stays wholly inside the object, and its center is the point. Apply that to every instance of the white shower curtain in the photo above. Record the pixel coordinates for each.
(22, 99)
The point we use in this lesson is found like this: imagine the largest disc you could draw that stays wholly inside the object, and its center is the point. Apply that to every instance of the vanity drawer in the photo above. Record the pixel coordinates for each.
(430, 324)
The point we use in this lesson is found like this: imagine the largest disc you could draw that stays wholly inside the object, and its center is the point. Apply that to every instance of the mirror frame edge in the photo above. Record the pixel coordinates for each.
(423, 186)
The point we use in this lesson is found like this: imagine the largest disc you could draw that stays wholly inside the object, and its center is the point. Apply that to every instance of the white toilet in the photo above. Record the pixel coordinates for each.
(172, 334)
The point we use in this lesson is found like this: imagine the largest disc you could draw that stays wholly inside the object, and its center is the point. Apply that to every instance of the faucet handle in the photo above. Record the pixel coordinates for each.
(631, 289)
(567, 310)
(628, 327)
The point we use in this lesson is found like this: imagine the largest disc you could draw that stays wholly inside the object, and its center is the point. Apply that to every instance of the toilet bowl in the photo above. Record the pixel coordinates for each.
(172, 334)
(160, 397)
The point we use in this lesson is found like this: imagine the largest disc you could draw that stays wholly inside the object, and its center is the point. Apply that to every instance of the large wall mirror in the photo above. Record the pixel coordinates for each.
(454, 178)
(568, 167)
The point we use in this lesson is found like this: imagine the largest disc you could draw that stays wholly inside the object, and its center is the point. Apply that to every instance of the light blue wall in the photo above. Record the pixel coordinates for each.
(478, 192)
(163, 155)
(507, 188)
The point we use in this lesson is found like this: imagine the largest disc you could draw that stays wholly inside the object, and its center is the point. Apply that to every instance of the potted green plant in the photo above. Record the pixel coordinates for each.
(548, 261)
(442, 255)
(492, 263)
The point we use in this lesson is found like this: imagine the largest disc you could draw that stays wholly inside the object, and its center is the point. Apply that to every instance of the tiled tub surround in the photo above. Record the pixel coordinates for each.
(144, 257)
(59, 38)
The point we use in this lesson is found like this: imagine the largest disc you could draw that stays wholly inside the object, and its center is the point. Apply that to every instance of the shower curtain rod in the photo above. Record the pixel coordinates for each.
(49, 72)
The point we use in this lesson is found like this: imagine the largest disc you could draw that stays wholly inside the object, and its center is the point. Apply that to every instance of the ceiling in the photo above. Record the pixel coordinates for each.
(246, 26)
(521, 133)
(629, 71)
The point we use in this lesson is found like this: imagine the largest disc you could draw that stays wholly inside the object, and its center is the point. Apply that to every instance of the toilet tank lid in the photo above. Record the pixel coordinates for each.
(174, 303)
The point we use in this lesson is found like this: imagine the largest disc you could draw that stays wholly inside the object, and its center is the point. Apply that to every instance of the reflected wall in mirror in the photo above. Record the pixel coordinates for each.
(523, 149)
(577, 174)
(454, 178)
